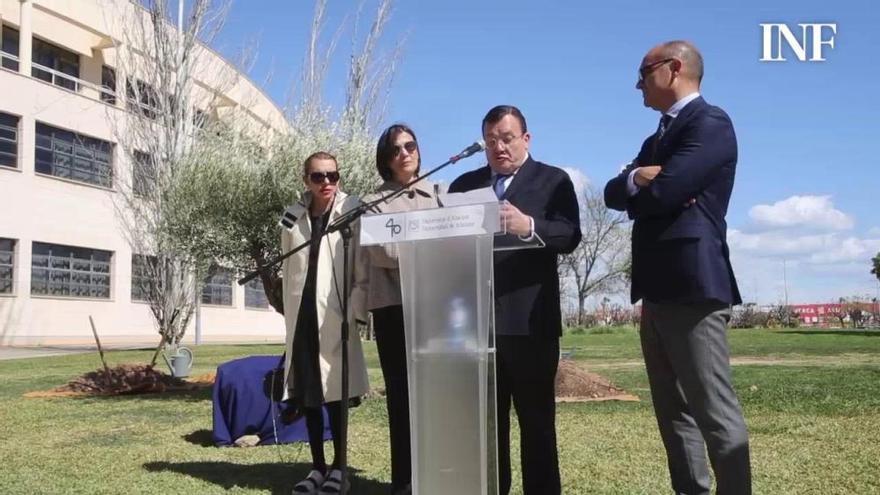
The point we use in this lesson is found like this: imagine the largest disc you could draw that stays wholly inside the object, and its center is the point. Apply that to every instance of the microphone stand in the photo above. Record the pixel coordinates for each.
(347, 218)
(342, 224)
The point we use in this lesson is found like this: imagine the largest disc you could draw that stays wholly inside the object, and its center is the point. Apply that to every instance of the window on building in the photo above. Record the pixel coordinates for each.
(200, 119)
(7, 265)
(143, 271)
(142, 98)
(254, 295)
(9, 46)
(8, 140)
(108, 84)
(68, 271)
(72, 156)
(217, 288)
(144, 174)
(59, 60)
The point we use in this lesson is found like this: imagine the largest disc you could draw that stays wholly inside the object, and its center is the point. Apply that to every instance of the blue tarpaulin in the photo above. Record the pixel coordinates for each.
(243, 404)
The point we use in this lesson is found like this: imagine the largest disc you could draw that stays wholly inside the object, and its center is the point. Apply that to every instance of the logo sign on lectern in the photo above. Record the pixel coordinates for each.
(435, 223)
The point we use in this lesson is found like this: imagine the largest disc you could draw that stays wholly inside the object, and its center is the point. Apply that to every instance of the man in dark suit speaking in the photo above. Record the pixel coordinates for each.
(537, 199)
(677, 191)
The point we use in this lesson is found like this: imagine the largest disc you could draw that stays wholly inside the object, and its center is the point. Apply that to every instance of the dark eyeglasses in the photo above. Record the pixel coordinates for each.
(647, 69)
(319, 177)
(409, 146)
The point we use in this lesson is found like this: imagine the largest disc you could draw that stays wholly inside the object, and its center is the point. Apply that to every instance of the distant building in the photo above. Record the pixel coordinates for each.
(829, 314)
(62, 255)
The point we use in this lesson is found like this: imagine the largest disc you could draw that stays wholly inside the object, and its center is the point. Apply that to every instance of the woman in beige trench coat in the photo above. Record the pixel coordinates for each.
(398, 160)
(312, 287)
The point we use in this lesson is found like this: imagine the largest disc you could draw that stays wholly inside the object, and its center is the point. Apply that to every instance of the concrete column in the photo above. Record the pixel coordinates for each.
(25, 38)
(27, 142)
(122, 61)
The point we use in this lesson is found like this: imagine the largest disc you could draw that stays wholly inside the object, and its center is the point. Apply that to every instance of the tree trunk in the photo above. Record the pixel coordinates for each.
(582, 299)
(272, 283)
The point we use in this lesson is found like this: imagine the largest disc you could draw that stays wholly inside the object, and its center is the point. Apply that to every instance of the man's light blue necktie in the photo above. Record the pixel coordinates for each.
(499, 184)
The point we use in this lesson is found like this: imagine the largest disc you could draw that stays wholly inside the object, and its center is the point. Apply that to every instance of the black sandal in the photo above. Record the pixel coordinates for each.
(310, 485)
(333, 484)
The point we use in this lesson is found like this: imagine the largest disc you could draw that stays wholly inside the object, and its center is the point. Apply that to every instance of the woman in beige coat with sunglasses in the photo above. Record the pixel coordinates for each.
(313, 286)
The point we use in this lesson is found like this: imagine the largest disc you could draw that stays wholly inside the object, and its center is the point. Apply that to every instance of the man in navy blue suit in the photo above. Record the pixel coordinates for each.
(677, 192)
(537, 199)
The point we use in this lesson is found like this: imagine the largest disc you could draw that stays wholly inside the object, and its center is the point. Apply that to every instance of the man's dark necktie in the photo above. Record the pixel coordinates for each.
(664, 125)
(661, 130)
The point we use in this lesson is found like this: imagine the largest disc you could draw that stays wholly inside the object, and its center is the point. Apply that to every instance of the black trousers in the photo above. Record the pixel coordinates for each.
(526, 374)
(391, 344)
(315, 429)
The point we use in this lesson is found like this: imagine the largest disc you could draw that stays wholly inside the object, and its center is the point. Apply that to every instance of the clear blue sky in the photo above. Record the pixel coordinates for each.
(807, 177)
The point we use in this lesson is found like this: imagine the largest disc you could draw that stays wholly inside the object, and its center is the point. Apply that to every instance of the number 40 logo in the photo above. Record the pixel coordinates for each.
(775, 34)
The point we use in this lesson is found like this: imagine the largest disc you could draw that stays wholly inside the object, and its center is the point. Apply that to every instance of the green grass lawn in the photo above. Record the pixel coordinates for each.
(812, 402)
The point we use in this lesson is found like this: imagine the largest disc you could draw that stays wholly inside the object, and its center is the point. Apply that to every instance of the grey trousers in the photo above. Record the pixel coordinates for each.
(688, 364)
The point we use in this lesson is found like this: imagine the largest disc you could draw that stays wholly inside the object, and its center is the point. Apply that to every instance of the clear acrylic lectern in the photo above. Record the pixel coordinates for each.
(446, 271)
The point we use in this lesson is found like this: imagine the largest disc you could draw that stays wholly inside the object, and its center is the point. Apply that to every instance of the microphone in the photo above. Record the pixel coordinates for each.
(470, 150)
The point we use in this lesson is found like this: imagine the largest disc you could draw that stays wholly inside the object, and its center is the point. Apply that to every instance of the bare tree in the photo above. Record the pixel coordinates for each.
(155, 67)
(231, 192)
(783, 315)
(349, 131)
(370, 74)
(838, 311)
(749, 315)
(857, 309)
(600, 263)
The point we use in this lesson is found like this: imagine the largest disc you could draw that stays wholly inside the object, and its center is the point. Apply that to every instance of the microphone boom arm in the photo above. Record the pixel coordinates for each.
(349, 217)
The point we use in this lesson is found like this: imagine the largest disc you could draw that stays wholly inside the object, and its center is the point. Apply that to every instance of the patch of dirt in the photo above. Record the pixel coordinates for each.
(204, 380)
(575, 384)
(125, 379)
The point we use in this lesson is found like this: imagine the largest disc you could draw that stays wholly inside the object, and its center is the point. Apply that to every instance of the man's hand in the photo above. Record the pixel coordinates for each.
(645, 175)
(515, 221)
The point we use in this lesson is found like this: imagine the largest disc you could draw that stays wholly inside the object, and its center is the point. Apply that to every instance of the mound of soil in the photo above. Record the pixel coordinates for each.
(575, 384)
(124, 379)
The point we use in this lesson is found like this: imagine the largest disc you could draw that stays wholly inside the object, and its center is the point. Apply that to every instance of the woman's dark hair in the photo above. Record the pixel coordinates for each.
(386, 149)
(319, 155)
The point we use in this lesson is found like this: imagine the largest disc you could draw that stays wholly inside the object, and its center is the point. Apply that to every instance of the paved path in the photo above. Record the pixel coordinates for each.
(846, 359)
(15, 352)
(7, 352)
(32, 352)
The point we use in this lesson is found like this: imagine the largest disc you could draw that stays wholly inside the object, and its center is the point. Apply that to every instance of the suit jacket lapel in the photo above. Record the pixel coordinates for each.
(484, 178)
(687, 113)
(523, 176)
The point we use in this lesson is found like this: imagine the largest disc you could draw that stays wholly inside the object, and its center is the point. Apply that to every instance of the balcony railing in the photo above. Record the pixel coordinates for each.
(8, 61)
(77, 85)
(61, 80)
(73, 83)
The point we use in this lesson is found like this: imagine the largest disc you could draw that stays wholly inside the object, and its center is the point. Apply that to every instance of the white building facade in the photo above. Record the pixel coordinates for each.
(62, 254)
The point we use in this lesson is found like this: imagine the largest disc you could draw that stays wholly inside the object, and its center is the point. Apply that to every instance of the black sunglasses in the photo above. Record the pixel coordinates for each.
(409, 146)
(319, 177)
(647, 69)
